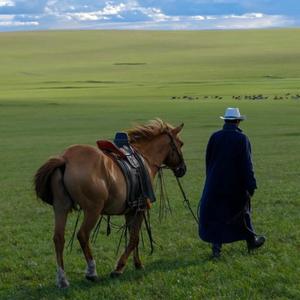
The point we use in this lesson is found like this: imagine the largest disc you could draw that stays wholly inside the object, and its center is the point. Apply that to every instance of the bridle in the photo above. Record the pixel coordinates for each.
(160, 175)
(174, 148)
(185, 199)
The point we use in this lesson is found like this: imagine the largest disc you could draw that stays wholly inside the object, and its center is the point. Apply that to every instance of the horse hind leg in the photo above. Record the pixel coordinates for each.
(90, 218)
(134, 222)
(62, 205)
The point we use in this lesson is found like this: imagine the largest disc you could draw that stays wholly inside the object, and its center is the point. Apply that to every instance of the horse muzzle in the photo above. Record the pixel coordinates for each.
(180, 170)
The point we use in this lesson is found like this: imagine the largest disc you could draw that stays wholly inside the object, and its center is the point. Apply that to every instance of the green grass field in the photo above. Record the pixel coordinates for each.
(61, 88)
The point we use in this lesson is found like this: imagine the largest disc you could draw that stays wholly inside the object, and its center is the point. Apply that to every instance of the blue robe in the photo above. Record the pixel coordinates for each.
(224, 208)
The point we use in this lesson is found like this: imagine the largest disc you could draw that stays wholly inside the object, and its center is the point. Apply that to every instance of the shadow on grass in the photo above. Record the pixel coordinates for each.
(80, 284)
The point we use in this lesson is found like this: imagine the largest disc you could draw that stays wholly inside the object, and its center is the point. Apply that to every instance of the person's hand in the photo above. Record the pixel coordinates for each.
(249, 194)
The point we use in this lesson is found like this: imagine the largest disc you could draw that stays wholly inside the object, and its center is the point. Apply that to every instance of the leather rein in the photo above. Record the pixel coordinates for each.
(185, 198)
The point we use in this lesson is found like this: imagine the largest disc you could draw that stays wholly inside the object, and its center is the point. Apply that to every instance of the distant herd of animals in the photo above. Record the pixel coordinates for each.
(286, 96)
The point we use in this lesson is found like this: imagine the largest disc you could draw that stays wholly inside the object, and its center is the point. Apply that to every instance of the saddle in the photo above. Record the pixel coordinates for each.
(132, 165)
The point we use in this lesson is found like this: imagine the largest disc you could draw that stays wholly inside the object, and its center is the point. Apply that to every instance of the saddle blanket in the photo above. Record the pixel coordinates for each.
(132, 165)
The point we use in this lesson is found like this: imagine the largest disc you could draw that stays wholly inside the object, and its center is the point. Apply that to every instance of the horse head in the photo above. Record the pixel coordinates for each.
(174, 159)
(160, 144)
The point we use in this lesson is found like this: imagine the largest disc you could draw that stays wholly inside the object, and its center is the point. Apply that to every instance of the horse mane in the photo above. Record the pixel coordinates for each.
(148, 131)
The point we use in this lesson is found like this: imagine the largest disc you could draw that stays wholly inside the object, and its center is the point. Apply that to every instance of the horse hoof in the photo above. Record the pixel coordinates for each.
(63, 284)
(94, 278)
(115, 274)
(139, 267)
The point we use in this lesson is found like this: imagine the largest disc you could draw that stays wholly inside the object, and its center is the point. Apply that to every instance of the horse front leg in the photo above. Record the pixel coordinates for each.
(134, 222)
(136, 259)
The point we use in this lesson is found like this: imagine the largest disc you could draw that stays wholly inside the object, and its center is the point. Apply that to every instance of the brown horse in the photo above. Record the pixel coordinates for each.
(84, 175)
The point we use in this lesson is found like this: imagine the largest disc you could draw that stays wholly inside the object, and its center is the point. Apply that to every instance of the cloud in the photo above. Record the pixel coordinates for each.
(134, 14)
(6, 3)
(104, 14)
(10, 21)
(129, 11)
(253, 21)
(245, 16)
(131, 14)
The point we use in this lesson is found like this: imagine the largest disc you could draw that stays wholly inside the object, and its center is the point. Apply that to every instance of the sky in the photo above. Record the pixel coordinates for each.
(18, 15)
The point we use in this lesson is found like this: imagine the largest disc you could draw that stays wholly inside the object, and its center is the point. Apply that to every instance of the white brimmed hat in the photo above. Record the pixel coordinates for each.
(233, 113)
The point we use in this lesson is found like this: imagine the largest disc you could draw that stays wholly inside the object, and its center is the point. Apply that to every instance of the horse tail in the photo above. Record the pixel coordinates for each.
(42, 178)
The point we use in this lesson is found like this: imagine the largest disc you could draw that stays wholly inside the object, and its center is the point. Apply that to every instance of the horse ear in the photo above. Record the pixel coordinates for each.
(176, 130)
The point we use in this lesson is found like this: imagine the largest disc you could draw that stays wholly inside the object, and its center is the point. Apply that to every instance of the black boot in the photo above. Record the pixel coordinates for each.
(255, 242)
(216, 250)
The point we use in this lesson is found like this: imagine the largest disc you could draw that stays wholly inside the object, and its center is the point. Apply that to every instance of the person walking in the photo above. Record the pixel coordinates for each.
(224, 209)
